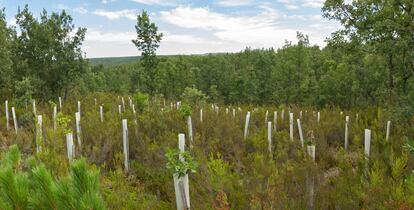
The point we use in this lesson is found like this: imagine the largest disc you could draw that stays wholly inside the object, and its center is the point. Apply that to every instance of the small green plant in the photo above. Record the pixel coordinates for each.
(180, 166)
(194, 96)
(141, 101)
(51, 103)
(37, 189)
(185, 110)
(409, 146)
(308, 142)
(63, 122)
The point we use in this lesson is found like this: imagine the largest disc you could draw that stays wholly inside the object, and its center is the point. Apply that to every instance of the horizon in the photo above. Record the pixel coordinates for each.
(189, 27)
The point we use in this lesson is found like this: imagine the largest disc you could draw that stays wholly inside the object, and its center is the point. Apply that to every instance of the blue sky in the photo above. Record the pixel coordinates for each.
(189, 27)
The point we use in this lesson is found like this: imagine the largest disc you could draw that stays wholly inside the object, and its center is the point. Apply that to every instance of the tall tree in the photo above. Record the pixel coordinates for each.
(386, 27)
(47, 52)
(5, 57)
(148, 40)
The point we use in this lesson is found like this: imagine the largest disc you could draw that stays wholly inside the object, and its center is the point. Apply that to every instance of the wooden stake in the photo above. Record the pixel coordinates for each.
(54, 117)
(367, 143)
(34, 107)
(182, 191)
(190, 130)
(101, 113)
(39, 135)
(319, 117)
(291, 125)
(201, 115)
(70, 146)
(16, 127)
(387, 136)
(346, 132)
(269, 136)
(125, 144)
(311, 151)
(246, 125)
(60, 104)
(123, 104)
(7, 115)
(310, 179)
(78, 128)
(302, 142)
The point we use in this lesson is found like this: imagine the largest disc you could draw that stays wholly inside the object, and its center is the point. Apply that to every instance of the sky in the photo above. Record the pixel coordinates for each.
(189, 27)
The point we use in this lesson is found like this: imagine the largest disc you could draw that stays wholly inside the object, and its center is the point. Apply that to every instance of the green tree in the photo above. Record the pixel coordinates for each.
(6, 73)
(385, 27)
(47, 50)
(148, 40)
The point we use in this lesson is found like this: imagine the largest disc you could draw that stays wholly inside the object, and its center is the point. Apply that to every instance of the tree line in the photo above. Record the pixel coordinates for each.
(370, 61)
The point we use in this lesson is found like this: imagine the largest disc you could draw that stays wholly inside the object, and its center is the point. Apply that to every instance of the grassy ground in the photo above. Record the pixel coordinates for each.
(233, 172)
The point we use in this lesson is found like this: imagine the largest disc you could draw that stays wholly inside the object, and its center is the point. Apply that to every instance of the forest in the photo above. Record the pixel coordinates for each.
(297, 127)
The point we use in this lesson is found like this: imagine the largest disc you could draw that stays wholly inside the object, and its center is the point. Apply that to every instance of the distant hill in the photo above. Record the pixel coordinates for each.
(114, 60)
(108, 61)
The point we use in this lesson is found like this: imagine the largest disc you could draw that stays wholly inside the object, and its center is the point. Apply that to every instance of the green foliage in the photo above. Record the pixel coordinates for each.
(63, 122)
(409, 146)
(141, 101)
(236, 174)
(218, 170)
(366, 68)
(185, 110)
(193, 96)
(148, 40)
(51, 103)
(180, 163)
(37, 189)
(6, 70)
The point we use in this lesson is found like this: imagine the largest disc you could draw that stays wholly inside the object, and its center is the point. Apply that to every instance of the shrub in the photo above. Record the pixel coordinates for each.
(185, 110)
(141, 101)
(183, 166)
(37, 189)
(194, 96)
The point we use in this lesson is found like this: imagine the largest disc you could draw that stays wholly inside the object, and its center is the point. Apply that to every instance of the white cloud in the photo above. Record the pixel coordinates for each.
(313, 3)
(292, 7)
(185, 39)
(156, 2)
(257, 30)
(233, 3)
(286, 1)
(101, 36)
(196, 30)
(107, 1)
(61, 7)
(80, 10)
(114, 15)
(99, 43)
(203, 18)
(11, 22)
(315, 18)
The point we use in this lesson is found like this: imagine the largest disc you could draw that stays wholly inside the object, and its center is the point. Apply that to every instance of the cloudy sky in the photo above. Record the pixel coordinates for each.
(189, 27)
